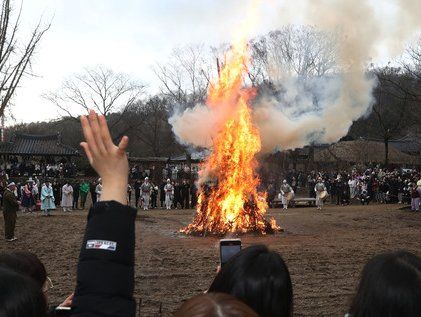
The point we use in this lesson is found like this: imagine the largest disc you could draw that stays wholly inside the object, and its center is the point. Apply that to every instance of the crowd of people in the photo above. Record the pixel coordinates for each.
(170, 170)
(254, 282)
(44, 167)
(365, 185)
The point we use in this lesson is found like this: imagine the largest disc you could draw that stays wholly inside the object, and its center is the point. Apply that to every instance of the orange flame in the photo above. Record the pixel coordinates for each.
(233, 204)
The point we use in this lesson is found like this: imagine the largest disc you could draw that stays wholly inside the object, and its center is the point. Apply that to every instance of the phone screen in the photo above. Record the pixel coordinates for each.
(229, 248)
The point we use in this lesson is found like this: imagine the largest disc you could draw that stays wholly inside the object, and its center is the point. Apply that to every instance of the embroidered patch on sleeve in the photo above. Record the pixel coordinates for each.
(101, 245)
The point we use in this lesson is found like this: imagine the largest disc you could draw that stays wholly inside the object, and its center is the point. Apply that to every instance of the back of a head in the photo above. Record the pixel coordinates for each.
(260, 278)
(20, 296)
(390, 285)
(26, 263)
(215, 305)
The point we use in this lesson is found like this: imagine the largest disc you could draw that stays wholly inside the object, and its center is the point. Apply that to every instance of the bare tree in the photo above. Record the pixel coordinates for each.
(97, 88)
(146, 124)
(392, 113)
(15, 55)
(301, 51)
(186, 76)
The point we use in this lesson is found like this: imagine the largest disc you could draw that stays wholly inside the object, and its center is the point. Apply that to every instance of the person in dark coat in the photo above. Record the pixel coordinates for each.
(92, 189)
(339, 191)
(105, 271)
(162, 194)
(311, 183)
(154, 196)
(10, 207)
(177, 195)
(76, 188)
(185, 195)
(136, 187)
(57, 192)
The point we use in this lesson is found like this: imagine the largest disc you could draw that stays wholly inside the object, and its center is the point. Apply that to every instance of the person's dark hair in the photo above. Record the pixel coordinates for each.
(214, 305)
(20, 296)
(260, 278)
(390, 285)
(26, 263)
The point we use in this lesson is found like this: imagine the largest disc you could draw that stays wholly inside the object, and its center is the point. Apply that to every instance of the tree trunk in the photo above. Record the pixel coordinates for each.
(386, 152)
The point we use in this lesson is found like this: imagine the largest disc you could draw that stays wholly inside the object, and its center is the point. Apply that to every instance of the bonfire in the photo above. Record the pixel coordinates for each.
(233, 204)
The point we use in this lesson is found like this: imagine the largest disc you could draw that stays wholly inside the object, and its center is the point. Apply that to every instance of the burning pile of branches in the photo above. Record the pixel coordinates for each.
(234, 205)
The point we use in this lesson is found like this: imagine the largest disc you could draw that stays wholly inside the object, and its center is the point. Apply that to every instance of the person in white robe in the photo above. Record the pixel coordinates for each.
(285, 190)
(67, 197)
(47, 198)
(319, 188)
(169, 192)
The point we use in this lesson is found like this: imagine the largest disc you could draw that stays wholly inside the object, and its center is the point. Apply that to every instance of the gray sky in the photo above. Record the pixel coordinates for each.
(124, 35)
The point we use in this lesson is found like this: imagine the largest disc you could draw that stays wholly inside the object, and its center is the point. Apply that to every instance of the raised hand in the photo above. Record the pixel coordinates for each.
(108, 160)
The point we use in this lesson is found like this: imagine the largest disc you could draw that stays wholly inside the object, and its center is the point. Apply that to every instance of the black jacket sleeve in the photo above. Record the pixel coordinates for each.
(105, 273)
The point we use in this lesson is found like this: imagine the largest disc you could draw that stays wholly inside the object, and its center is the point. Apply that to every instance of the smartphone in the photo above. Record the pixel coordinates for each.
(228, 248)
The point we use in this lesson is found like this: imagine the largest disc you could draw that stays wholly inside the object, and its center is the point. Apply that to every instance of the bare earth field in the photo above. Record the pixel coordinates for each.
(325, 252)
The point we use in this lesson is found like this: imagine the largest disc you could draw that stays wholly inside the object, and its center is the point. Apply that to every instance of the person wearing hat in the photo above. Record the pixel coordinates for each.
(286, 189)
(10, 207)
(169, 192)
(146, 190)
(47, 198)
(319, 188)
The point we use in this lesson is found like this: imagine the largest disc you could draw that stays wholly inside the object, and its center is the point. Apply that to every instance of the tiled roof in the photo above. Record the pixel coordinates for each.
(27, 144)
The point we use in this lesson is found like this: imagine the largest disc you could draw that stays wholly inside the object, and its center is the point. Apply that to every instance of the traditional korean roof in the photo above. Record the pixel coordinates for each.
(29, 144)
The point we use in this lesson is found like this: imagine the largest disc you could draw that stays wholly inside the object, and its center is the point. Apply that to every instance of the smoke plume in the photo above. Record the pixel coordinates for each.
(319, 108)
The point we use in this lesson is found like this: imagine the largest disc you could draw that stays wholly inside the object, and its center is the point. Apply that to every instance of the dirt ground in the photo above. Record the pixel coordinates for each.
(325, 252)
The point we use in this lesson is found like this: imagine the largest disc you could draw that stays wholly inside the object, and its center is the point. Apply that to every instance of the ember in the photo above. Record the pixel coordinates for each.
(234, 205)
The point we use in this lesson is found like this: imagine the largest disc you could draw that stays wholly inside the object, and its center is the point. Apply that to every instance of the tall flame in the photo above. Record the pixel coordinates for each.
(233, 204)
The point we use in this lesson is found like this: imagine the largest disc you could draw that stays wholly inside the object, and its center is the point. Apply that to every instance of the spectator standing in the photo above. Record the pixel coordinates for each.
(83, 190)
(415, 197)
(154, 196)
(137, 186)
(185, 195)
(28, 199)
(193, 192)
(92, 189)
(76, 190)
(98, 190)
(129, 194)
(67, 197)
(56, 192)
(162, 195)
(10, 207)
(352, 183)
(177, 195)
(47, 198)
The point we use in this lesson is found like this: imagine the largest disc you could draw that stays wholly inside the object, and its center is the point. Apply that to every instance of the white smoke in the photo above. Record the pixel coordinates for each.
(321, 108)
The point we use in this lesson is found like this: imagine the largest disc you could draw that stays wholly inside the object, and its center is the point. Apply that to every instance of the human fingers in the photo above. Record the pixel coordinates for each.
(123, 143)
(87, 132)
(96, 131)
(88, 153)
(105, 133)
